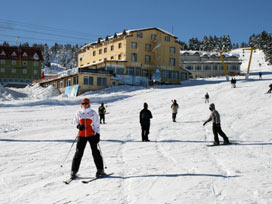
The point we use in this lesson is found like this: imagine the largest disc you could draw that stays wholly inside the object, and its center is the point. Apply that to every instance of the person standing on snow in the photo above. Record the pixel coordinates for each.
(145, 116)
(88, 125)
(207, 98)
(102, 111)
(174, 107)
(260, 75)
(215, 118)
(270, 88)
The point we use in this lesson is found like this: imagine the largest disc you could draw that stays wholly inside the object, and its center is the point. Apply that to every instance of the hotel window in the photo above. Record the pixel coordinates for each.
(24, 62)
(101, 81)
(234, 67)
(147, 46)
(130, 71)
(88, 80)
(172, 50)
(3, 61)
(189, 67)
(198, 67)
(138, 71)
(13, 70)
(112, 57)
(119, 45)
(145, 72)
(207, 67)
(133, 45)
(174, 74)
(75, 79)
(214, 67)
(105, 50)
(13, 62)
(24, 71)
(35, 72)
(153, 37)
(139, 35)
(147, 59)
(69, 82)
(133, 57)
(165, 74)
(183, 76)
(60, 84)
(94, 53)
(3, 70)
(36, 64)
(119, 70)
(172, 61)
(119, 57)
(100, 51)
(112, 47)
(167, 38)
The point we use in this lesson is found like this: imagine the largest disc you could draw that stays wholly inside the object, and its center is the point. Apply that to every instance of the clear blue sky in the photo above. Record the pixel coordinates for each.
(90, 19)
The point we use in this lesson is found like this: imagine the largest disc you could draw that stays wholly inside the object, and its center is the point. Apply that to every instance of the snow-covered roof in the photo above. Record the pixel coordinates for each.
(208, 54)
(96, 63)
(127, 33)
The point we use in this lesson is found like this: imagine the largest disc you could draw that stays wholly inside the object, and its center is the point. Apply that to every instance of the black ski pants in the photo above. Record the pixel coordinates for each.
(102, 117)
(174, 115)
(217, 130)
(81, 143)
(145, 131)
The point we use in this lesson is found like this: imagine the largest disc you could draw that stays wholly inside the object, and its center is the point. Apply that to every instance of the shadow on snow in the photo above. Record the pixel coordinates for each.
(234, 142)
(171, 176)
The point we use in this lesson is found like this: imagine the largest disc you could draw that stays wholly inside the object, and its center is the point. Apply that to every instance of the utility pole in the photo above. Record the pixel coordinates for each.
(223, 63)
(250, 58)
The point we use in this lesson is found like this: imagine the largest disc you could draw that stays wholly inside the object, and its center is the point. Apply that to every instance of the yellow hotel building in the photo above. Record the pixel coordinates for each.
(137, 57)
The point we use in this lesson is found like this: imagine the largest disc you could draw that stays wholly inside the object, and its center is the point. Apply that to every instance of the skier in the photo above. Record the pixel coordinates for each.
(260, 75)
(145, 116)
(234, 83)
(102, 111)
(270, 88)
(174, 107)
(215, 118)
(89, 131)
(207, 98)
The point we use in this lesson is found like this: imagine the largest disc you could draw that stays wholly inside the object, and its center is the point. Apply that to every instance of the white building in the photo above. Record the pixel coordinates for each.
(208, 64)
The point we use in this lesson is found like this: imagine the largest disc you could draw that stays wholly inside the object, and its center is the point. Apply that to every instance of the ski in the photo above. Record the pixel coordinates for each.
(68, 181)
(214, 145)
(95, 178)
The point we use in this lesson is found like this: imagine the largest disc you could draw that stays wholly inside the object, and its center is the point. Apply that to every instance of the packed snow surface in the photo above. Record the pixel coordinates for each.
(176, 166)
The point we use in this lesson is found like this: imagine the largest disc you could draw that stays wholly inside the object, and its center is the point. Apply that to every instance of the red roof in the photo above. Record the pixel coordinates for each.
(24, 53)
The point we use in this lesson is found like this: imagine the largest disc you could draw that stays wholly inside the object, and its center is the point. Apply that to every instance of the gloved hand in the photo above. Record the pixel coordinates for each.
(204, 123)
(80, 127)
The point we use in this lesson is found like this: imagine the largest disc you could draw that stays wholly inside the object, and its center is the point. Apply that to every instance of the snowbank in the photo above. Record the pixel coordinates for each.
(5, 94)
(38, 92)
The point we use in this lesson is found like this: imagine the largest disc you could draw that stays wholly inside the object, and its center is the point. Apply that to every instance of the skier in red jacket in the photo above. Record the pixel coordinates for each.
(88, 126)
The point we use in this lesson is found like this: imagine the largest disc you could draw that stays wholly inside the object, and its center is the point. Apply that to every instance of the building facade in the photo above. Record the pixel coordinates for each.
(209, 64)
(19, 66)
(149, 53)
(80, 79)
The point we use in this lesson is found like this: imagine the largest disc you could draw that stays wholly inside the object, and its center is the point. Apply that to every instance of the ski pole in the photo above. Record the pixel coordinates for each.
(104, 163)
(61, 165)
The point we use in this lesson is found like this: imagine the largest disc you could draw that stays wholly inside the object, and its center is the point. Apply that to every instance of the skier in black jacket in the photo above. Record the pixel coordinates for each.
(145, 116)
(216, 127)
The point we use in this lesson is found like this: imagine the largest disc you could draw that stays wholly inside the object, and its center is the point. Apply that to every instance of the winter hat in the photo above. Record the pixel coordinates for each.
(212, 106)
(145, 105)
(85, 100)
